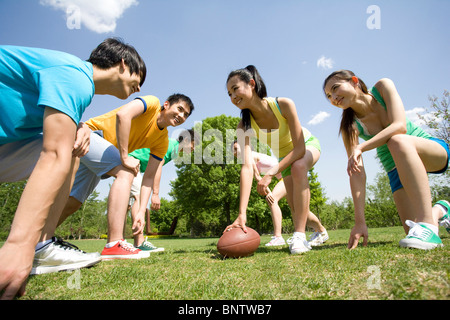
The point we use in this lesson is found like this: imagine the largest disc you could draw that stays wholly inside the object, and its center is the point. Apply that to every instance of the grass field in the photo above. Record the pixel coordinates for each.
(191, 269)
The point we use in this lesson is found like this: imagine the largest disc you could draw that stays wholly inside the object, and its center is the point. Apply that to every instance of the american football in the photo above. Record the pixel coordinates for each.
(236, 243)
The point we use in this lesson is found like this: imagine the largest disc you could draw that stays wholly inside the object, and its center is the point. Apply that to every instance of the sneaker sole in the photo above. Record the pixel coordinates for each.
(275, 245)
(418, 244)
(67, 267)
(154, 250)
(299, 250)
(125, 256)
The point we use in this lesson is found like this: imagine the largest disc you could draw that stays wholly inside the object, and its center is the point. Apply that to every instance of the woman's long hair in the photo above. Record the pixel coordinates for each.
(246, 74)
(347, 128)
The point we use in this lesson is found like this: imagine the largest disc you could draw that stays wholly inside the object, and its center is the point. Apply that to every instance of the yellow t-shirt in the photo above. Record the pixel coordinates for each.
(144, 132)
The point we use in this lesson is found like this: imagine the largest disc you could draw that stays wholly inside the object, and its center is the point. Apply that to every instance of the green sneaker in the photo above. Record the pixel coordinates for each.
(420, 237)
(147, 246)
(445, 220)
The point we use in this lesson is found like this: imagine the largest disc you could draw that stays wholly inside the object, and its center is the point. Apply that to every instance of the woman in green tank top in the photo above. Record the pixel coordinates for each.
(406, 152)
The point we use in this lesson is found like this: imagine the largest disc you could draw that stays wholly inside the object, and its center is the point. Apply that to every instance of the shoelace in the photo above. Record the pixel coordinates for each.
(148, 244)
(314, 236)
(291, 239)
(66, 245)
(416, 230)
(127, 246)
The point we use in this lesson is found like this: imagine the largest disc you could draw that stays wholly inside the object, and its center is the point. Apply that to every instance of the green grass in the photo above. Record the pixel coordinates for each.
(191, 269)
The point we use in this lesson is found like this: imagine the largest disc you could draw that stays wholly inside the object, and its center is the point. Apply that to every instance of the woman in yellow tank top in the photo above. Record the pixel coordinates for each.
(276, 123)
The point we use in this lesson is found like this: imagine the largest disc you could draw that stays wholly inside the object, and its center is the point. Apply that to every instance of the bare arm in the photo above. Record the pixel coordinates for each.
(124, 116)
(358, 189)
(44, 196)
(146, 189)
(288, 110)
(396, 121)
(245, 185)
(156, 203)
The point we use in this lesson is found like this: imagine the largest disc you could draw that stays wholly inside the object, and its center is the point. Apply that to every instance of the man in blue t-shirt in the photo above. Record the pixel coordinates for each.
(43, 94)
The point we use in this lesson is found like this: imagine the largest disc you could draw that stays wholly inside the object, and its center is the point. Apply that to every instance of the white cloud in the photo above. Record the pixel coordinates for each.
(413, 115)
(319, 118)
(97, 15)
(325, 63)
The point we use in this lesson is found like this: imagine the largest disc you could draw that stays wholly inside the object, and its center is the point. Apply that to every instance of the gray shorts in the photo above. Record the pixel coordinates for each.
(102, 157)
(18, 159)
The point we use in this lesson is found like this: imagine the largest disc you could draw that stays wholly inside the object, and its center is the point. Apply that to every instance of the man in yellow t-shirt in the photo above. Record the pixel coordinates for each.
(141, 123)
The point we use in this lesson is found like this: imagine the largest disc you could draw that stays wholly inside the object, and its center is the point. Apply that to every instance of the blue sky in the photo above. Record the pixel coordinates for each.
(191, 46)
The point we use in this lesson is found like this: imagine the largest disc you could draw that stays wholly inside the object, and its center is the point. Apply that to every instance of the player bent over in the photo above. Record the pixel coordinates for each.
(43, 94)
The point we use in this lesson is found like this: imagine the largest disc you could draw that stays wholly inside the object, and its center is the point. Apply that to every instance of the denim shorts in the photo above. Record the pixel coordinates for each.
(102, 157)
(394, 179)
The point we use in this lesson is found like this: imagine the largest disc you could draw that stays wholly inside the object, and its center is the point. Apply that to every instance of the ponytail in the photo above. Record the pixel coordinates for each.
(246, 74)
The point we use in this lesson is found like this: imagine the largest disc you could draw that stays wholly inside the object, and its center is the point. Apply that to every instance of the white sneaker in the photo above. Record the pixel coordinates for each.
(59, 255)
(298, 244)
(276, 241)
(318, 238)
(420, 237)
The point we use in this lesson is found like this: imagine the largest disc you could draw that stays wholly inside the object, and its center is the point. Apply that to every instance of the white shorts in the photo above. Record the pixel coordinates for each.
(18, 159)
(135, 188)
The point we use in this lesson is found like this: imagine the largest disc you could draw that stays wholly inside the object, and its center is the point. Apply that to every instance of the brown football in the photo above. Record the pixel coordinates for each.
(236, 243)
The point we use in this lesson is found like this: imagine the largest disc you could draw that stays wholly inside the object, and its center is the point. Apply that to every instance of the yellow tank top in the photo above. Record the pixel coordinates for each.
(279, 140)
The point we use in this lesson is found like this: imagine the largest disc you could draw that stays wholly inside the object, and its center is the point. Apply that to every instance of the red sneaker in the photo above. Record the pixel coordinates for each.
(122, 250)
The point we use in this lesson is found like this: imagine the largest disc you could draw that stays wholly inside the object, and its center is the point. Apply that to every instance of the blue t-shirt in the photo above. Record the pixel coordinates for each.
(32, 79)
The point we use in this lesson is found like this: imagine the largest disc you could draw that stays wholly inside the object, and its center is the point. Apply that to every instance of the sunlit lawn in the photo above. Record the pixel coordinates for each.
(192, 269)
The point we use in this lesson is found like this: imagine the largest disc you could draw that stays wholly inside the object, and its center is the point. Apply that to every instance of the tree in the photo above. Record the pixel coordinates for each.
(318, 198)
(380, 206)
(90, 221)
(208, 185)
(439, 121)
(207, 189)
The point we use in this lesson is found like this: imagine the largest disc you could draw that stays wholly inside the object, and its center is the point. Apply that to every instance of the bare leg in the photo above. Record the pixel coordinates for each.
(278, 193)
(39, 202)
(413, 158)
(118, 202)
(300, 188)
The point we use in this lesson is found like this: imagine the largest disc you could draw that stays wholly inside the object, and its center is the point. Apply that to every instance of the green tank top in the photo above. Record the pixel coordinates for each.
(383, 151)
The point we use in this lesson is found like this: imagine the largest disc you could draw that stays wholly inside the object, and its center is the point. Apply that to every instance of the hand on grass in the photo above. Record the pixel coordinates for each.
(15, 266)
(357, 233)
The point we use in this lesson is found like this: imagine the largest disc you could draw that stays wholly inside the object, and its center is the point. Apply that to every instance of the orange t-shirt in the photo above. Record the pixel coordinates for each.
(144, 132)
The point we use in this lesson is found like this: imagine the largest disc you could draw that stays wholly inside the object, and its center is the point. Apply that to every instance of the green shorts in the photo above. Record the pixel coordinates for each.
(311, 142)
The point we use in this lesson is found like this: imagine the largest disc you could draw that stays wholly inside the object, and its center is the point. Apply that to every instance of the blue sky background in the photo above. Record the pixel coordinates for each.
(191, 46)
